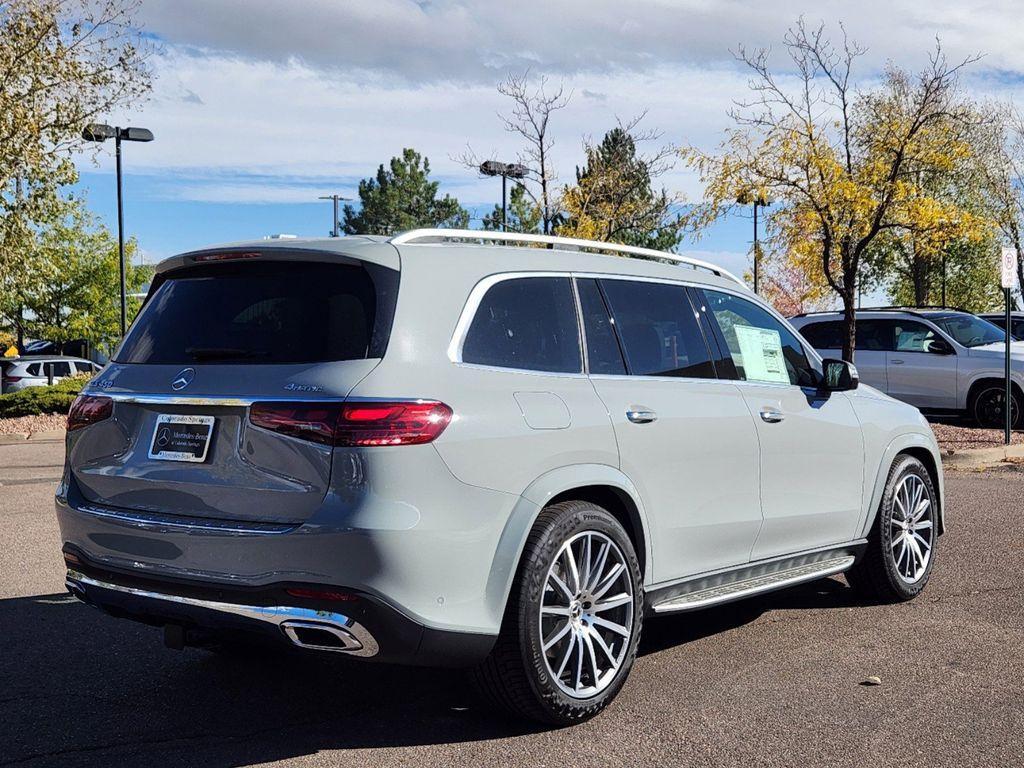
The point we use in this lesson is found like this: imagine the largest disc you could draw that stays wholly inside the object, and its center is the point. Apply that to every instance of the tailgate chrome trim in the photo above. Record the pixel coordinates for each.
(181, 522)
(276, 615)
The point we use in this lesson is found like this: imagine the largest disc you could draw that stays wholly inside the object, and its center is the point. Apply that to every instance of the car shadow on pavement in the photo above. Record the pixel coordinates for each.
(80, 687)
(670, 630)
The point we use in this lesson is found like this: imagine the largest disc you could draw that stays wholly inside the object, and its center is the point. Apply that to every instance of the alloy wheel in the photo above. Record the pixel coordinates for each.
(586, 614)
(911, 529)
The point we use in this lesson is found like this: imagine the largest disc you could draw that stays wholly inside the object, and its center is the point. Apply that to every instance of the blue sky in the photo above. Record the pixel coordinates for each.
(258, 111)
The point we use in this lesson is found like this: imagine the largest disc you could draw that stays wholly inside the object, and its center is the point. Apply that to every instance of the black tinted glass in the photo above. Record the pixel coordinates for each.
(828, 335)
(876, 335)
(762, 348)
(659, 331)
(271, 312)
(527, 323)
(603, 352)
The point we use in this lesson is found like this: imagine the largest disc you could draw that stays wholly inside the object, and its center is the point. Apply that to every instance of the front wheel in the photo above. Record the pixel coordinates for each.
(900, 552)
(573, 620)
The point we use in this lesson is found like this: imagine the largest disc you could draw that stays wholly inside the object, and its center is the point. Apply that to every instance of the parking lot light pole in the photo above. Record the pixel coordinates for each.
(101, 132)
(506, 171)
(759, 200)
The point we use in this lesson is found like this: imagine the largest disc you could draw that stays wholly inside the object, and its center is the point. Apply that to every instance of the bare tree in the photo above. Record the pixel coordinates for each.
(530, 118)
(1004, 177)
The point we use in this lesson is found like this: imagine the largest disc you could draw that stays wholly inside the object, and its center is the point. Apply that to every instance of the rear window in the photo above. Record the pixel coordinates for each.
(269, 312)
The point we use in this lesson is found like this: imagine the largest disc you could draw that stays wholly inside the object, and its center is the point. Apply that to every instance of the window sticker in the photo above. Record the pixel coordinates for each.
(762, 354)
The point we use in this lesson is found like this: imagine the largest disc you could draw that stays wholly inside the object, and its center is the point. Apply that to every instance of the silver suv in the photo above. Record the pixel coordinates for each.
(19, 373)
(477, 449)
(935, 359)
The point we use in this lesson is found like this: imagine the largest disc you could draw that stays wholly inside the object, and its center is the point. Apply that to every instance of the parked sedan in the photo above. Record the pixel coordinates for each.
(34, 371)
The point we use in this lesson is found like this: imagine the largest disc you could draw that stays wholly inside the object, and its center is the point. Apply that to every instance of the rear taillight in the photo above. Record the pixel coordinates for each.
(355, 424)
(11, 379)
(88, 409)
(391, 423)
(309, 421)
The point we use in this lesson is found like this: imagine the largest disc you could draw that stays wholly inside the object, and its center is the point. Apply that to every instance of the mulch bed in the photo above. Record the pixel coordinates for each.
(960, 436)
(32, 424)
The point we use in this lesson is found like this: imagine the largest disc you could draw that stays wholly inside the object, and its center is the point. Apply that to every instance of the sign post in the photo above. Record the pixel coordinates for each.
(1009, 282)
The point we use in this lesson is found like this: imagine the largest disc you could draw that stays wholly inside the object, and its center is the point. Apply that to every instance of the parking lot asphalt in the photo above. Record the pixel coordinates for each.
(775, 681)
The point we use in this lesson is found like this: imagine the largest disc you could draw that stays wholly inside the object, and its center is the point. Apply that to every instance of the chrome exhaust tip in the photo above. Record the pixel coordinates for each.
(319, 636)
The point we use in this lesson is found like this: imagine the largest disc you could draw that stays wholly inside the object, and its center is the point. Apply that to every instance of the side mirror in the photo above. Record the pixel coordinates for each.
(839, 376)
(938, 347)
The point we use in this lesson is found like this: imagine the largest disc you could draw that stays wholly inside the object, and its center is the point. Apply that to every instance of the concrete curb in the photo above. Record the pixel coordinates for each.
(980, 458)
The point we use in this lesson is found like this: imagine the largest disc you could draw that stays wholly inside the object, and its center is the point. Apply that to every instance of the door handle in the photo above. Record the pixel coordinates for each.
(639, 415)
(896, 362)
(772, 415)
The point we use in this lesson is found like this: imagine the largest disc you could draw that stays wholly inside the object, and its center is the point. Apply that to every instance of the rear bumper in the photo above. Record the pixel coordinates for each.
(361, 626)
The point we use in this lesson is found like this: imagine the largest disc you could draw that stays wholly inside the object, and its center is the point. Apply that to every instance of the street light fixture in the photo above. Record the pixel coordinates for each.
(506, 171)
(334, 229)
(758, 199)
(100, 132)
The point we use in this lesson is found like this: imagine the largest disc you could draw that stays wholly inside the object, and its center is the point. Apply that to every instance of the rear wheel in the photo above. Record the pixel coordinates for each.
(988, 406)
(900, 553)
(573, 621)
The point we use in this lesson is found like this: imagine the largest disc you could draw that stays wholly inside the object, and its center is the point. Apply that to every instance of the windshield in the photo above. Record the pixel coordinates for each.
(970, 331)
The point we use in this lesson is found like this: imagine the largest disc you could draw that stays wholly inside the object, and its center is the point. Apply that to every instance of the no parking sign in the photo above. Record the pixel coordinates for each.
(1009, 267)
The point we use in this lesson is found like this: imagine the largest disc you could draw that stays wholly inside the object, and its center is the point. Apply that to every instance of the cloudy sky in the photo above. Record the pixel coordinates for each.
(260, 106)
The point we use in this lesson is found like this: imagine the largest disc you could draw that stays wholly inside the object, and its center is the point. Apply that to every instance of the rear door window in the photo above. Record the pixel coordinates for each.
(659, 331)
(61, 368)
(827, 335)
(268, 312)
(876, 335)
(526, 323)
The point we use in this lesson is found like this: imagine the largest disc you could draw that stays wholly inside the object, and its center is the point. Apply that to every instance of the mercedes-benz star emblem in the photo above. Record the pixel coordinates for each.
(183, 379)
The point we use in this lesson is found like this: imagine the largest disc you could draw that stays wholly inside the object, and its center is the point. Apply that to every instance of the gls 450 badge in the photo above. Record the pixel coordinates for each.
(293, 387)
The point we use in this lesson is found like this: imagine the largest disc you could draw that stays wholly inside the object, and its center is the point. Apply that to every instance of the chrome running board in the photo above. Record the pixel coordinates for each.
(305, 627)
(736, 590)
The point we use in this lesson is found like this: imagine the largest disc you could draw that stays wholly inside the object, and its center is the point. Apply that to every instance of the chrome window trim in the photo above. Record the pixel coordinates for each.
(480, 289)
(476, 295)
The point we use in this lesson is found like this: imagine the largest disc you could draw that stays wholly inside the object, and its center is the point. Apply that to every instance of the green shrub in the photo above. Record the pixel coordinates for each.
(38, 400)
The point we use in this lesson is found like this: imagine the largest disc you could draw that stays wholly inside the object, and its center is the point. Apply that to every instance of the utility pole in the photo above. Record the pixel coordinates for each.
(335, 199)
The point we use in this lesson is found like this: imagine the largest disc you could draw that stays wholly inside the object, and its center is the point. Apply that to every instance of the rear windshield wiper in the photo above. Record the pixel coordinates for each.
(222, 353)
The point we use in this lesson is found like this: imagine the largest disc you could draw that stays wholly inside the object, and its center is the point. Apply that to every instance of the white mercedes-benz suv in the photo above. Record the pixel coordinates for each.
(478, 449)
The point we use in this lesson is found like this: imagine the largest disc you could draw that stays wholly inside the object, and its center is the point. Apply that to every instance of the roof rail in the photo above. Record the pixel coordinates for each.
(416, 235)
(917, 311)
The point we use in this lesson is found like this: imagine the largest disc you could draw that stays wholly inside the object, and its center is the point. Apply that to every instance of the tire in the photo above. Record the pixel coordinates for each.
(570, 677)
(892, 569)
(987, 409)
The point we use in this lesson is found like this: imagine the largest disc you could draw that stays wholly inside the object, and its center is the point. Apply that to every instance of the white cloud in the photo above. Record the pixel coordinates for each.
(260, 101)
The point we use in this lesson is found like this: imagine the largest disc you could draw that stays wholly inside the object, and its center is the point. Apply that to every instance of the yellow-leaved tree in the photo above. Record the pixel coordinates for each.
(841, 165)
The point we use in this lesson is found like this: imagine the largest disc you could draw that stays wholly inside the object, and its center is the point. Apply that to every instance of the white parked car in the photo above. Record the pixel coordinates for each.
(447, 448)
(34, 371)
